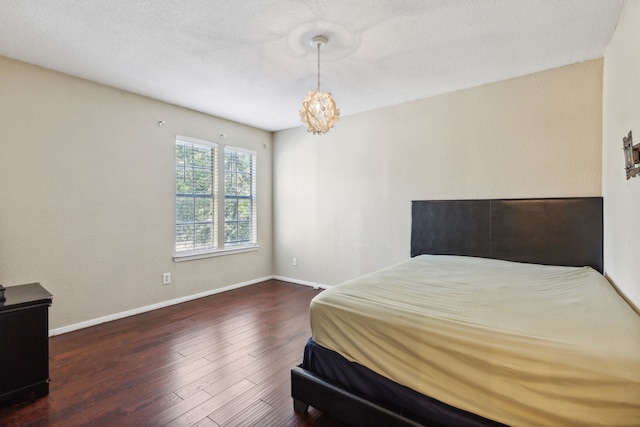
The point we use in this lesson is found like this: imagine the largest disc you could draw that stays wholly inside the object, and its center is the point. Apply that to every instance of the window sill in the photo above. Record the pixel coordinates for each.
(214, 253)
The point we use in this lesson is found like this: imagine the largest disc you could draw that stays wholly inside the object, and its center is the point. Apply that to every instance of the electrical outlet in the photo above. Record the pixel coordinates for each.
(166, 278)
(295, 261)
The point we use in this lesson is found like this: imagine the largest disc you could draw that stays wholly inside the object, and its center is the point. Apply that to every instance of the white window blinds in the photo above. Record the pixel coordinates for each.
(196, 183)
(240, 218)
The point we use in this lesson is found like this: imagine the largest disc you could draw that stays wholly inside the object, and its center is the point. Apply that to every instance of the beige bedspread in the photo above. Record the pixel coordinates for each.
(521, 344)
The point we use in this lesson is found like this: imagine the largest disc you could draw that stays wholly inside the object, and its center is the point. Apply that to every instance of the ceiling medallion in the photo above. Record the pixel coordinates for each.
(319, 111)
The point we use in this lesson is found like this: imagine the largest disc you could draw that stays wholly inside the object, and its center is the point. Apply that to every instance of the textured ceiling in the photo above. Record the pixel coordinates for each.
(251, 61)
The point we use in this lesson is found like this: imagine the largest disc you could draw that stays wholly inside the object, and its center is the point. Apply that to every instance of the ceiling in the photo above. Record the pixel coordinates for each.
(251, 61)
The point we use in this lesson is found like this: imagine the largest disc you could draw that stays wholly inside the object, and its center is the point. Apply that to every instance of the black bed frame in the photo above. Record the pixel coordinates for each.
(554, 231)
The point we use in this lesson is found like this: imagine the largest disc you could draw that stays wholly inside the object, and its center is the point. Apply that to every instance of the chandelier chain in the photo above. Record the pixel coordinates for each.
(318, 45)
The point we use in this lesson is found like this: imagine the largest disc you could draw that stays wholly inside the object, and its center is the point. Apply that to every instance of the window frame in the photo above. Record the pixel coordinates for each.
(213, 195)
(219, 247)
(252, 198)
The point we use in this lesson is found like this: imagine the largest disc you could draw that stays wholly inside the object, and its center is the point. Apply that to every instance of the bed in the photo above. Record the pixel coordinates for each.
(500, 317)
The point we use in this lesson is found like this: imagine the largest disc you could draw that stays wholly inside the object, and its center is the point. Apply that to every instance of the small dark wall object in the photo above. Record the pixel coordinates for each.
(2, 297)
(631, 156)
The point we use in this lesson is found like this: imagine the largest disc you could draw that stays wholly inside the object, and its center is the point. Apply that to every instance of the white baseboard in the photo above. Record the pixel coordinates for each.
(314, 285)
(140, 310)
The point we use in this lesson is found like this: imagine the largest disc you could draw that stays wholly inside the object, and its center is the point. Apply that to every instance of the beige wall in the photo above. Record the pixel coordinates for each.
(621, 108)
(342, 200)
(78, 215)
(87, 203)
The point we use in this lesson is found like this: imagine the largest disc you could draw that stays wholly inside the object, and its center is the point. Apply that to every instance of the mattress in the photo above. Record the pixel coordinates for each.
(521, 344)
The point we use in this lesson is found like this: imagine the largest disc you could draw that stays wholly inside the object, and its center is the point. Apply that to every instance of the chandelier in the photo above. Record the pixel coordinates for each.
(319, 110)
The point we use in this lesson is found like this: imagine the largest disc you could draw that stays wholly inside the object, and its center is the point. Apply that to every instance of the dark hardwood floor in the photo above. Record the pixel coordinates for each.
(222, 360)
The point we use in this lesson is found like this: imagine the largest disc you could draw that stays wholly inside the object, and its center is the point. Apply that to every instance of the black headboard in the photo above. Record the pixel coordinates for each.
(555, 231)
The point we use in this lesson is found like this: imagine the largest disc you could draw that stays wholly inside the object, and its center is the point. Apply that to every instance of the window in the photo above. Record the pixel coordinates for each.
(196, 228)
(197, 202)
(239, 197)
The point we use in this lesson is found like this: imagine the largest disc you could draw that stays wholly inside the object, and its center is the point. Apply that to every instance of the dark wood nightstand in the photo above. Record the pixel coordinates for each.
(24, 342)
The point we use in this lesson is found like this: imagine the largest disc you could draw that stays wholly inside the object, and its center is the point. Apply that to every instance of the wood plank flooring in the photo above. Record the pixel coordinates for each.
(222, 360)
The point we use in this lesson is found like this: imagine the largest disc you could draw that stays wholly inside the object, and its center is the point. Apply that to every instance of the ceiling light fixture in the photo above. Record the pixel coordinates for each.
(319, 110)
